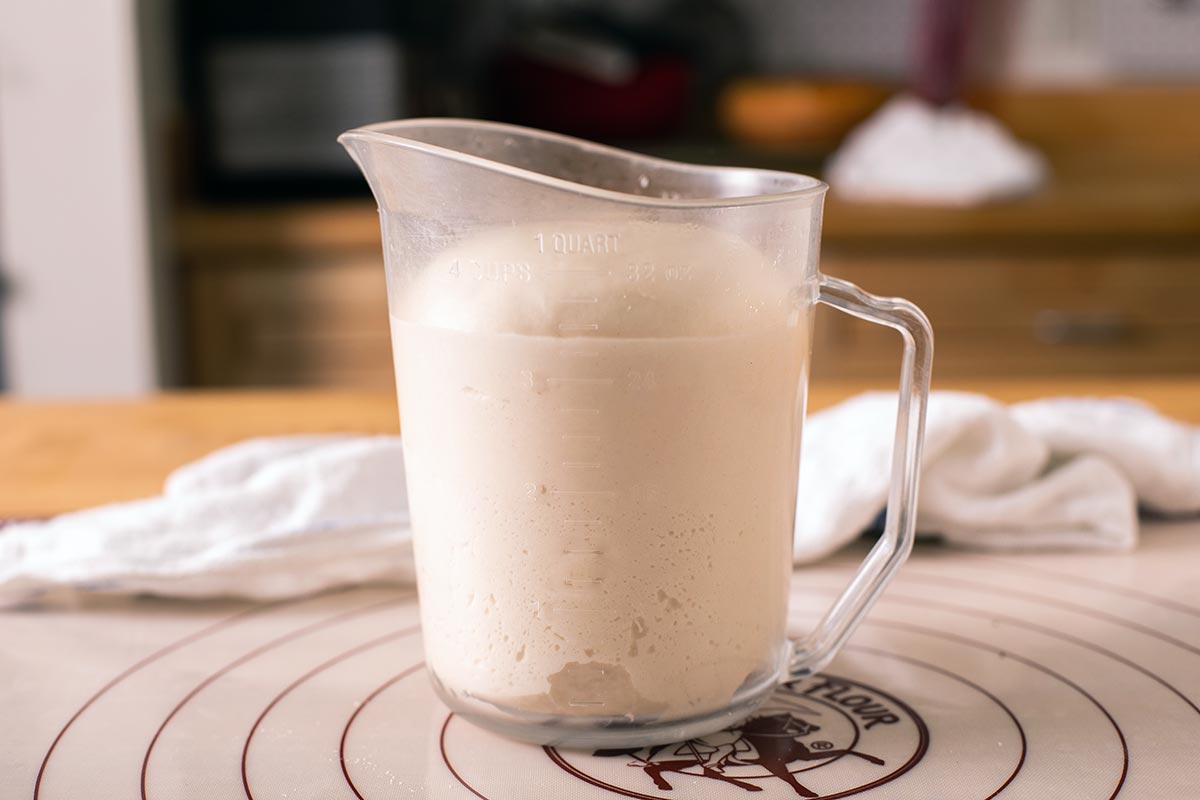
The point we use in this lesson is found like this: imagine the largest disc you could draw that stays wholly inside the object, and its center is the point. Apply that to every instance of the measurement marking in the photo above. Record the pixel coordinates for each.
(580, 300)
(581, 410)
(590, 581)
(582, 551)
(580, 437)
(582, 381)
(583, 493)
(585, 354)
(585, 702)
(570, 271)
(581, 464)
(582, 521)
(556, 607)
(568, 327)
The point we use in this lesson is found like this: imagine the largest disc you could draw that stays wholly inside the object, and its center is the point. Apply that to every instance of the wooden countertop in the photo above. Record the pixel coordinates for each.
(59, 456)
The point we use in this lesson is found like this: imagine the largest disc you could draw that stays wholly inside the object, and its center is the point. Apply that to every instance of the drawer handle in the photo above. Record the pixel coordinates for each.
(1053, 326)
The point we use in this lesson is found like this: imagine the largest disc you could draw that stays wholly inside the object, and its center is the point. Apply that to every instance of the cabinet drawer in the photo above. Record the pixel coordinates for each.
(1028, 316)
(283, 321)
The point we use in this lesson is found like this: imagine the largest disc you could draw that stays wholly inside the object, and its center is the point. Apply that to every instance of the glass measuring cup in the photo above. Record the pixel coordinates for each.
(602, 364)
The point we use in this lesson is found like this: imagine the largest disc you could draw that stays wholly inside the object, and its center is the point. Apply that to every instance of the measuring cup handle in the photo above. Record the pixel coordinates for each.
(814, 651)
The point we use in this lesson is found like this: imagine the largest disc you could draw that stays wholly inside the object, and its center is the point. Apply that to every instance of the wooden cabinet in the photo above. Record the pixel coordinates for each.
(292, 319)
(284, 314)
(284, 320)
(286, 296)
(1025, 315)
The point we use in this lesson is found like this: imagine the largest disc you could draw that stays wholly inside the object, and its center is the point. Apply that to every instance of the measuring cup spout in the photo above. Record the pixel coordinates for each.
(522, 170)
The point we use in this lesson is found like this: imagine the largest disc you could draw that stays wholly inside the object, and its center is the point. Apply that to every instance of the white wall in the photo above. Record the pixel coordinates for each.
(856, 37)
(73, 212)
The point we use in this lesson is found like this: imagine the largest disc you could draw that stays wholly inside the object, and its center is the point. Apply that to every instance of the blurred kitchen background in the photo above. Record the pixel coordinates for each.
(175, 212)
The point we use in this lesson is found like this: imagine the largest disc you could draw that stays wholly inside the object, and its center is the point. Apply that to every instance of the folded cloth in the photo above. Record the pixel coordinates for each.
(1057, 473)
(266, 518)
(279, 517)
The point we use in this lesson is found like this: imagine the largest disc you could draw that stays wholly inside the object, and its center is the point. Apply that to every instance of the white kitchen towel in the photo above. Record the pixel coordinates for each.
(266, 518)
(279, 517)
(1056, 473)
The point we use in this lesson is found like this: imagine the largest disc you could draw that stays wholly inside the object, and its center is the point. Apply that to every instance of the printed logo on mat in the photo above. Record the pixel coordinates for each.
(821, 736)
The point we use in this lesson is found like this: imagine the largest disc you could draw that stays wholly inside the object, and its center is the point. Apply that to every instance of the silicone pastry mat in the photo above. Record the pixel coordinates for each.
(977, 676)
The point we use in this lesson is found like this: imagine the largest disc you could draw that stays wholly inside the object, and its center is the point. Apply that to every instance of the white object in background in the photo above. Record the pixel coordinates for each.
(910, 151)
(292, 515)
(74, 234)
